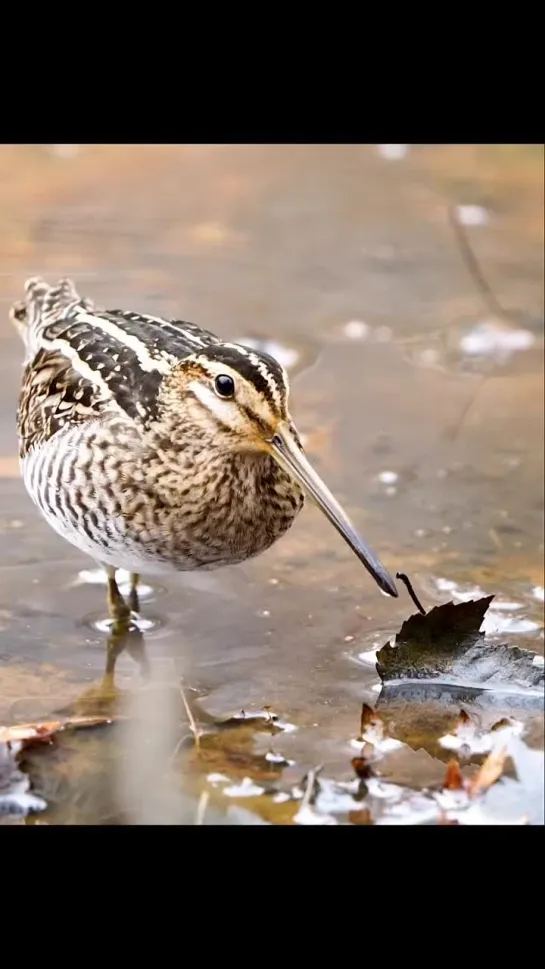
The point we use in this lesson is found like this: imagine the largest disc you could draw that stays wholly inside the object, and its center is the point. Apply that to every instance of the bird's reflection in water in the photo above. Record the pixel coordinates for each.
(103, 698)
(126, 637)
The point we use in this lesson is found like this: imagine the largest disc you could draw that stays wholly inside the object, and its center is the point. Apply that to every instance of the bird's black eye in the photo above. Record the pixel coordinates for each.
(225, 386)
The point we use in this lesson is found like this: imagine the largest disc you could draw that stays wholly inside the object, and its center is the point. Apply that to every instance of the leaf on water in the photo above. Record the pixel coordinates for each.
(470, 738)
(373, 732)
(488, 773)
(447, 642)
(362, 767)
(500, 724)
(368, 717)
(453, 778)
(15, 796)
(363, 816)
(262, 720)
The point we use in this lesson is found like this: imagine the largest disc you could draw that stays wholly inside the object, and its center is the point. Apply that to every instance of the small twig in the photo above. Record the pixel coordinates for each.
(453, 430)
(310, 790)
(190, 717)
(179, 745)
(472, 265)
(202, 806)
(407, 582)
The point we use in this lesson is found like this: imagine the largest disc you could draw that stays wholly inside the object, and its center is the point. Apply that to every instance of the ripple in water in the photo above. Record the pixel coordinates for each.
(497, 620)
(143, 624)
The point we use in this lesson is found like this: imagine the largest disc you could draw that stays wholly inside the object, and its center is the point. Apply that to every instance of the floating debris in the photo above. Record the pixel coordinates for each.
(496, 339)
(16, 797)
(475, 215)
(356, 330)
(246, 788)
(216, 779)
(279, 759)
(388, 477)
(373, 732)
(467, 734)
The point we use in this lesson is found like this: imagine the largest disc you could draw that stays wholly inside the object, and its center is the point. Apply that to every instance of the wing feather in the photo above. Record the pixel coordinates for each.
(82, 361)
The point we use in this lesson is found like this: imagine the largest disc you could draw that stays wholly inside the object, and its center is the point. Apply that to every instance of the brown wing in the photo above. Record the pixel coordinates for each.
(52, 395)
(82, 360)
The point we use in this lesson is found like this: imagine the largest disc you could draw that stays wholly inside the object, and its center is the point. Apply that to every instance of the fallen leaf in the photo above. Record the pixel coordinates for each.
(16, 799)
(15, 795)
(488, 773)
(368, 717)
(453, 779)
(447, 642)
(373, 733)
(360, 817)
(362, 767)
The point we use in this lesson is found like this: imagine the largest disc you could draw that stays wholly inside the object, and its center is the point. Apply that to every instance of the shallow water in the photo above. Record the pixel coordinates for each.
(341, 260)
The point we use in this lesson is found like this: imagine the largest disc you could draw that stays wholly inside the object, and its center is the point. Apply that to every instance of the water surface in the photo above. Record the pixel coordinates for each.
(421, 408)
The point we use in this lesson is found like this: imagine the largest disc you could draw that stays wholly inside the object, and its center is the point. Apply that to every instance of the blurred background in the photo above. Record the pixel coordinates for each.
(402, 288)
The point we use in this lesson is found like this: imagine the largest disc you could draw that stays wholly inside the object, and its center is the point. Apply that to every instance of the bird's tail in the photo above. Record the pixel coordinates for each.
(42, 305)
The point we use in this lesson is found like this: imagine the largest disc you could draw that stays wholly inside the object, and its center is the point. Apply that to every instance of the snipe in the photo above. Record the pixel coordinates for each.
(152, 445)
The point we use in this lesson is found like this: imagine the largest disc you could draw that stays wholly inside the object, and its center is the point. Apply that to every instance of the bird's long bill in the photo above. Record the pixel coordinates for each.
(293, 461)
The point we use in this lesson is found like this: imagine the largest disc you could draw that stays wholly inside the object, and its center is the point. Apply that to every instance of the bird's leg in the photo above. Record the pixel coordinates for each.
(117, 607)
(133, 594)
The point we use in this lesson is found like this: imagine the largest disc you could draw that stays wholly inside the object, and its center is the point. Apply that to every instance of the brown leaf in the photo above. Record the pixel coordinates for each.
(464, 719)
(363, 816)
(488, 772)
(453, 778)
(448, 642)
(368, 716)
(362, 767)
(427, 645)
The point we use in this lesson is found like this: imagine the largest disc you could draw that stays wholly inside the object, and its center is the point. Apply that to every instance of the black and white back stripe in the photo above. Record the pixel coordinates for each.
(126, 355)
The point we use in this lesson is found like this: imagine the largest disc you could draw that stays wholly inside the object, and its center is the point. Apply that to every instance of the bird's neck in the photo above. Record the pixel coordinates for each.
(214, 470)
(222, 506)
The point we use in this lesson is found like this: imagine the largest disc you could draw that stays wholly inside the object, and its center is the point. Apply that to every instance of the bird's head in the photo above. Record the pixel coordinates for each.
(238, 397)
